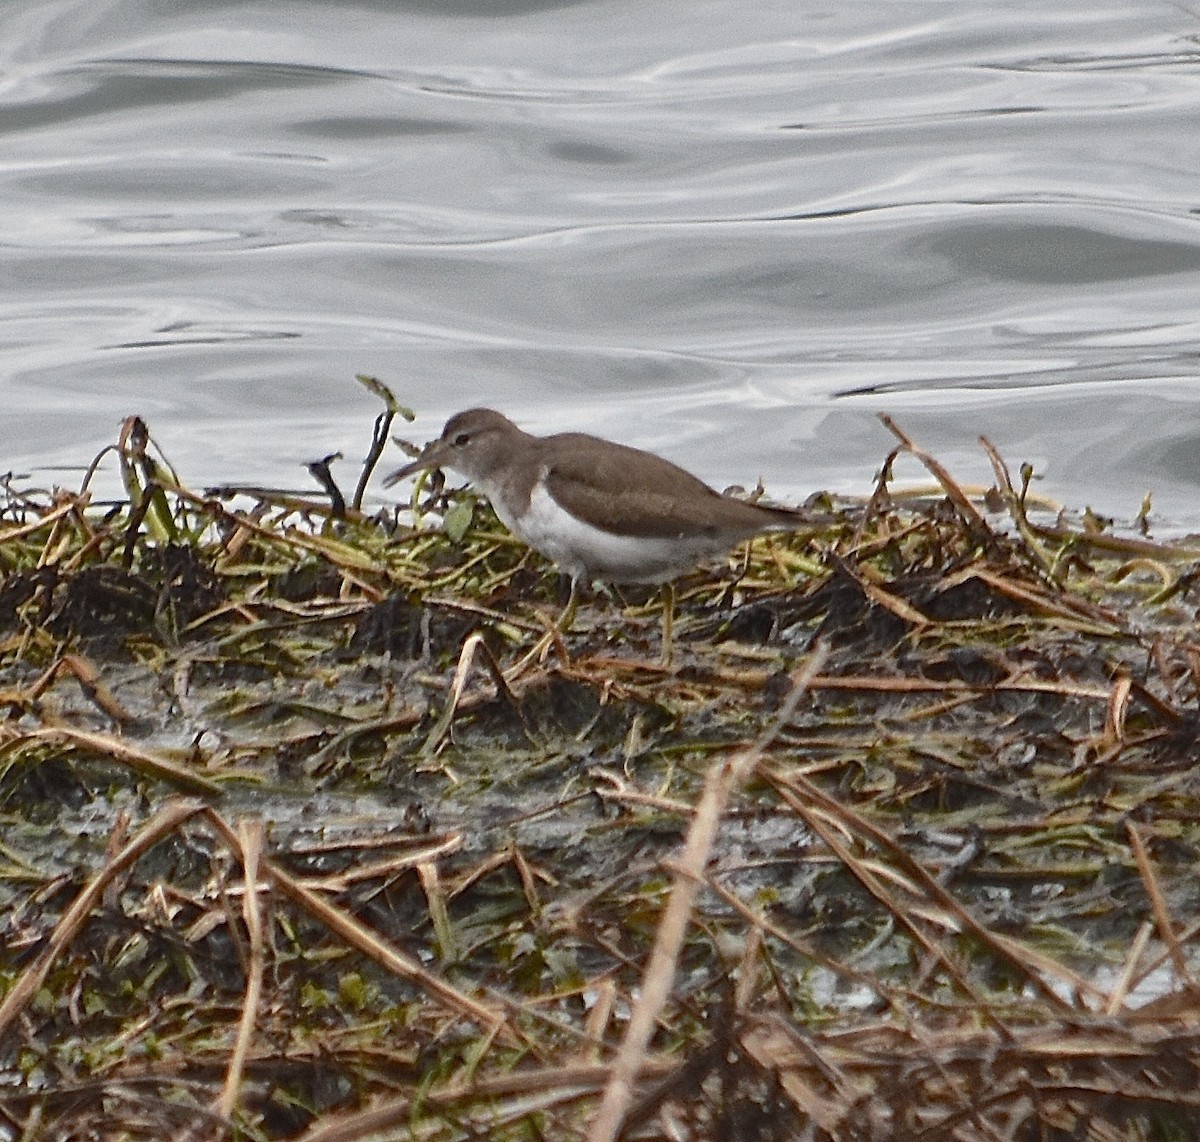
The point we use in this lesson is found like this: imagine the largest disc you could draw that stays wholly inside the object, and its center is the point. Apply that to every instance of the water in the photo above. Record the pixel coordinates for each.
(729, 232)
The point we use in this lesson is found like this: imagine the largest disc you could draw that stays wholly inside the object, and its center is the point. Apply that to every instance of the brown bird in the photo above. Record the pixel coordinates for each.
(598, 509)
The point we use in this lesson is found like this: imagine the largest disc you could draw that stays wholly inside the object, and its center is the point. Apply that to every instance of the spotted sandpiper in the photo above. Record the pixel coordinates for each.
(598, 509)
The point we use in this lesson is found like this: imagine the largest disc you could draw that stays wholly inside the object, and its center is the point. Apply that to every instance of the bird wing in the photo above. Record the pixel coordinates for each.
(617, 484)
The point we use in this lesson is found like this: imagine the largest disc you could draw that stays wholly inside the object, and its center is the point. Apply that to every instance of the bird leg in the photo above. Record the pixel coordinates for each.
(567, 618)
(668, 621)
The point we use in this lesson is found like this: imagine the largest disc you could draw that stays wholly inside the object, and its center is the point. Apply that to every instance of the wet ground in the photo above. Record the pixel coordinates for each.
(919, 784)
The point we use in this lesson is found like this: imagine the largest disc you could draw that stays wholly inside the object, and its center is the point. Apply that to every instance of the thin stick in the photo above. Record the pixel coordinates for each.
(250, 834)
(118, 750)
(954, 493)
(1162, 918)
(1120, 991)
(1016, 508)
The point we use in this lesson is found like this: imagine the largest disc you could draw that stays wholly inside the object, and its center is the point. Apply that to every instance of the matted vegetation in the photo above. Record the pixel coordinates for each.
(314, 826)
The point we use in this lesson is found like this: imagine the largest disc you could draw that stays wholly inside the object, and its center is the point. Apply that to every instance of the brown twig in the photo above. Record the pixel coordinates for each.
(250, 837)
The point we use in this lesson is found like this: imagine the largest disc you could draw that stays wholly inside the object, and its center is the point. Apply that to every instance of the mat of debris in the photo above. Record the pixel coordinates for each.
(316, 824)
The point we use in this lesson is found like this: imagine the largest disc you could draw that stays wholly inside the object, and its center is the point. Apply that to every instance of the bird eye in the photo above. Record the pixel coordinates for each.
(461, 439)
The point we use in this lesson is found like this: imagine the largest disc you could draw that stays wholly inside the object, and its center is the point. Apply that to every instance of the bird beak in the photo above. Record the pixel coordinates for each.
(431, 457)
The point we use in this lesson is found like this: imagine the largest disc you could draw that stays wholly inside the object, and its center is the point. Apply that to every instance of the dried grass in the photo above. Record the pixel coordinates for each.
(901, 844)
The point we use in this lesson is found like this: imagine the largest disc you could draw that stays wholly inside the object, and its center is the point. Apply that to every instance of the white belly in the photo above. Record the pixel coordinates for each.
(586, 552)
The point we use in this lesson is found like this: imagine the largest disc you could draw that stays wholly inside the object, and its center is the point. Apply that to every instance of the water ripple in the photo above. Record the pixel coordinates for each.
(756, 225)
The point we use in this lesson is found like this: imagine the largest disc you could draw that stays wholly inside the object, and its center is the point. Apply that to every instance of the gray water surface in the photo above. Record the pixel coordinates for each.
(729, 232)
